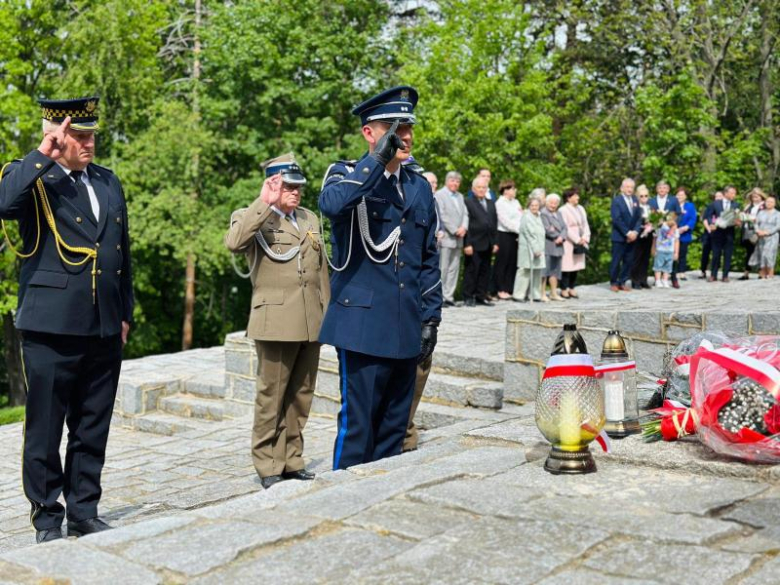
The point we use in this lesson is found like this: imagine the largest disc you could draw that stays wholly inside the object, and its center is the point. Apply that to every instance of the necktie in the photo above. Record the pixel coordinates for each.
(394, 182)
(291, 219)
(483, 202)
(725, 205)
(82, 190)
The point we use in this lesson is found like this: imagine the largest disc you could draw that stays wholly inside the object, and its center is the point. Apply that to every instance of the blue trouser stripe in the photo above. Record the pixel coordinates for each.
(343, 425)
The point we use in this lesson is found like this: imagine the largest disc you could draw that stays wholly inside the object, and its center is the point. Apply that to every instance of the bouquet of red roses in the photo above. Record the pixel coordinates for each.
(735, 390)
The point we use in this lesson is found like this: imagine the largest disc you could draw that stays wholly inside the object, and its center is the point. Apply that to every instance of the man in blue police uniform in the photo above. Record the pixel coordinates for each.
(74, 312)
(386, 287)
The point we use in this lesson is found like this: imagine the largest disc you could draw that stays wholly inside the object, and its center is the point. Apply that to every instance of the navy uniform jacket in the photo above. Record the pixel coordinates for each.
(623, 220)
(378, 309)
(53, 296)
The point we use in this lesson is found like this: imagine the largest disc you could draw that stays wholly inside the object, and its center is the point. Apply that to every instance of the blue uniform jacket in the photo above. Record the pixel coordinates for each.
(378, 309)
(623, 220)
(55, 297)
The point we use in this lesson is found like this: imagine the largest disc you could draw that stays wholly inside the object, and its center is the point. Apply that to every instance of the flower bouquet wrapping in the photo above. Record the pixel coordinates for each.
(735, 408)
(679, 388)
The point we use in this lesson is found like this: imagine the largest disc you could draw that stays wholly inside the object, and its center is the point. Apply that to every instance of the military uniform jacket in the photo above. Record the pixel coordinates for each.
(288, 298)
(55, 297)
(378, 309)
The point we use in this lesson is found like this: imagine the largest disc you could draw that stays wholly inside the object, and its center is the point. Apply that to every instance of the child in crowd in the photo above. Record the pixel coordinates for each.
(667, 250)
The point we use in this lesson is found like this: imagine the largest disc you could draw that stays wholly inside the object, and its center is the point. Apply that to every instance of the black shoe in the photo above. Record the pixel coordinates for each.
(267, 482)
(448, 304)
(645, 284)
(301, 474)
(48, 535)
(88, 526)
(470, 302)
(485, 303)
(744, 277)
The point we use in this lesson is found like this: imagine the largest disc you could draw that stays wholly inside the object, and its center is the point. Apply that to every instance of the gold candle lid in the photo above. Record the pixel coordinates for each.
(614, 346)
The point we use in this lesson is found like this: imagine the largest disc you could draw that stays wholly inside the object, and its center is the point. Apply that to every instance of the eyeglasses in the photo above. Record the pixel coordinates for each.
(291, 188)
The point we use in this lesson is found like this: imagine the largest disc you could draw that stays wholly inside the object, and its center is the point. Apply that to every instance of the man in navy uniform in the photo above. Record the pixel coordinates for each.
(386, 288)
(74, 312)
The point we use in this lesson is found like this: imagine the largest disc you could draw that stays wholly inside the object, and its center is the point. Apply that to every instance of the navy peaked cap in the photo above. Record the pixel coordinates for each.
(393, 104)
(83, 112)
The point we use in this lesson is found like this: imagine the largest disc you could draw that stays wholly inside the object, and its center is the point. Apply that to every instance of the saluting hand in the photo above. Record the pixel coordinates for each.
(387, 145)
(53, 143)
(271, 192)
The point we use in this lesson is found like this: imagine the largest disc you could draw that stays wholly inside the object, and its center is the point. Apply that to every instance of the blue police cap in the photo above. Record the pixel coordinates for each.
(83, 112)
(394, 104)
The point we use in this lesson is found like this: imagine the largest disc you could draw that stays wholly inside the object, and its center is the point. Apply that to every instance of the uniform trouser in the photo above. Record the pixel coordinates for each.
(749, 249)
(376, 397)
(506, 261)
(722, 244)
(449, 263)
(477, 274)
(70, 379)
(622, 261)
(287, 375)
(525, 278)
(412, 435)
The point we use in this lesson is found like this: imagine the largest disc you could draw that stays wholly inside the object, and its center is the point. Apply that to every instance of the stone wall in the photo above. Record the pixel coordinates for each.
(530, 335)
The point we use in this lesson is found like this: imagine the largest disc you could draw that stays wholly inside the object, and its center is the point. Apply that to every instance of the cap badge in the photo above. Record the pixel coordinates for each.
(90, 106)
(404, 94)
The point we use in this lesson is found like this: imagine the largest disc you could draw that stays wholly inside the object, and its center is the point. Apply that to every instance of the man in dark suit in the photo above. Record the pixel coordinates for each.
(75, 308)
(722, 238)
(663, 201)
(479, 245)
(626, 223)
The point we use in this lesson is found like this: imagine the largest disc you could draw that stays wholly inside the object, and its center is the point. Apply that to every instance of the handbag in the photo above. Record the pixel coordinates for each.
(580, 249)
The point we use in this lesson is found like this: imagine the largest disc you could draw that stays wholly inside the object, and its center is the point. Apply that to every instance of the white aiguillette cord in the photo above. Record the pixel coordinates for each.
(286, 257)
(391, 242)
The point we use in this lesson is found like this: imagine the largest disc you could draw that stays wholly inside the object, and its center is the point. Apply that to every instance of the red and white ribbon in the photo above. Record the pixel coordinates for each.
(615, 367)
(741, 364)
(570, 364)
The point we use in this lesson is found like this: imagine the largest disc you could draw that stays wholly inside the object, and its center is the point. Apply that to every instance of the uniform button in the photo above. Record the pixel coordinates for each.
(119, 247)
(38, 165)
(376, 214)
(401, 264)
(400, 242)
(119, 272)
(99, 272)
(346, 301)
(78, 220)
(403, 220)
(97, 244)
(402, 285)
(119, 220)
(365, 170)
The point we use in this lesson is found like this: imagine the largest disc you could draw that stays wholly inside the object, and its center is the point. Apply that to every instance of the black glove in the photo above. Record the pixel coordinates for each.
(428, 343)
(387, 146)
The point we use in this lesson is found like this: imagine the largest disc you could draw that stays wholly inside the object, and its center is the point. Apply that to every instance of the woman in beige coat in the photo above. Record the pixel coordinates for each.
(577, 234)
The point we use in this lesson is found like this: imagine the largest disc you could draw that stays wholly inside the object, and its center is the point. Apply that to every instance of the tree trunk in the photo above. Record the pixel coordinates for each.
(17, 394)
(189, 302)
(766, 91)
(189, 276)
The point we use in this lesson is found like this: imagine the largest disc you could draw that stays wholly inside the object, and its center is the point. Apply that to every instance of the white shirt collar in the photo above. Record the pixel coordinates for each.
(84, 174)
(397, 174)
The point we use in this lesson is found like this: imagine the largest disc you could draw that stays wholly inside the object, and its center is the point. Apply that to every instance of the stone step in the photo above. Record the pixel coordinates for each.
(442, 388)
(192, 406)
(158, 423)
(454, 364)
(429, 414)
(207, 385)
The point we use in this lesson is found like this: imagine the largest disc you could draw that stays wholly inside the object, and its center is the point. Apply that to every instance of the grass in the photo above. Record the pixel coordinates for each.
(11, 414)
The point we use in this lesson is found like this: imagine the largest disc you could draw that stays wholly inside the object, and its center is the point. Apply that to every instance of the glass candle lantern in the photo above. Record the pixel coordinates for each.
(570, 405)
(617, 374)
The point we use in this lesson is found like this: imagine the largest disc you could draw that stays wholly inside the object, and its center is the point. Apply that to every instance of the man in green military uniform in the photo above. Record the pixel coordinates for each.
(289, 274)
(75, 309)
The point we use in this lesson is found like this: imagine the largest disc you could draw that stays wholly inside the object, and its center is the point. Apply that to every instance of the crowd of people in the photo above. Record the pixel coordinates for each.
(535, 253)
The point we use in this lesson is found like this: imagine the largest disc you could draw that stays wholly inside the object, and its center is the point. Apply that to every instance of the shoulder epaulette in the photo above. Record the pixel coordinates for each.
(338, 170)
